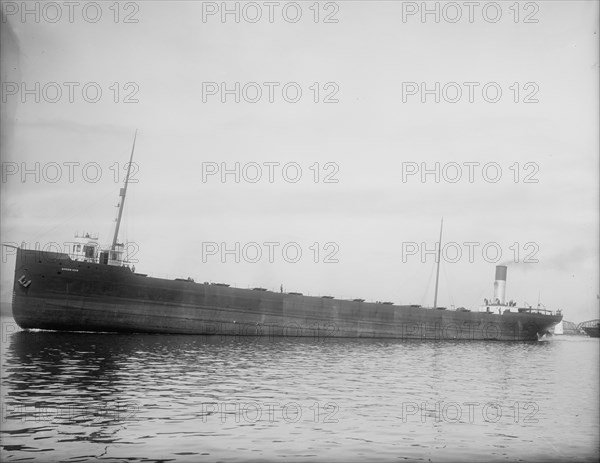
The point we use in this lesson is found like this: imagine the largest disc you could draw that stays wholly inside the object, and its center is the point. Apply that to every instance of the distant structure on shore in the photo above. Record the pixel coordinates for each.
(591, 328)
(567, 327)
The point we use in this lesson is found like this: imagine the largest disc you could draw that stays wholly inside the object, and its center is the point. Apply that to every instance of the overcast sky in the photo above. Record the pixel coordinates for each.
(371, 60)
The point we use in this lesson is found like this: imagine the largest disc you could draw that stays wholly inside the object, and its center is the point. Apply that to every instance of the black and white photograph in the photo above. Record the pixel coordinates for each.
(300, 231)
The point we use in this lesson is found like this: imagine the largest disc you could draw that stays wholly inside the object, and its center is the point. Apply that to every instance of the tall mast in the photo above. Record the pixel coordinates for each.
(122, 194)
(437, 275)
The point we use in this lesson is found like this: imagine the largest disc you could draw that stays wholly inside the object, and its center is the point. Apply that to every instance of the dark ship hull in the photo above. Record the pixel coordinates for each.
(54, 292)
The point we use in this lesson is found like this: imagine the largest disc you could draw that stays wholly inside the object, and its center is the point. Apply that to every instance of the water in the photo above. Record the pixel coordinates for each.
(113, 397)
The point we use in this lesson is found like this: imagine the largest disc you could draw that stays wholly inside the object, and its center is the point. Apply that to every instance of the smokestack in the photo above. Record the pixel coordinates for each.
(500, 284)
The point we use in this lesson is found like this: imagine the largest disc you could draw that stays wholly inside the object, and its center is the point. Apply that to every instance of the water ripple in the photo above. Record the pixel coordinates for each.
(139, 398)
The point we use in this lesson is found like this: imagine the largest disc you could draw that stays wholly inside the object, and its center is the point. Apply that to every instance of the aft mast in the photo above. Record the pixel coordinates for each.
(437, 275)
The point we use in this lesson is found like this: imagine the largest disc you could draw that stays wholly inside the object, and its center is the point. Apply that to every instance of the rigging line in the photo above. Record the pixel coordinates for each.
(78, 211)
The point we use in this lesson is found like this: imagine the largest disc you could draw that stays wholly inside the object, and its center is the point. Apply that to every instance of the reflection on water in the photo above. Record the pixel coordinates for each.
(81, 397)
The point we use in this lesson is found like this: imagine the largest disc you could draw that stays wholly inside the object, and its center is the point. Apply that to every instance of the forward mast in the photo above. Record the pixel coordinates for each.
(86, 247)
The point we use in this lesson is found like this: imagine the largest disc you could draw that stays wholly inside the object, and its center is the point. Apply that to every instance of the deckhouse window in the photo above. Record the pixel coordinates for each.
(89, 251)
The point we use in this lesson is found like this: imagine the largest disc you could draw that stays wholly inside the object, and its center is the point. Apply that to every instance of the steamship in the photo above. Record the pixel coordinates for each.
(95, 289)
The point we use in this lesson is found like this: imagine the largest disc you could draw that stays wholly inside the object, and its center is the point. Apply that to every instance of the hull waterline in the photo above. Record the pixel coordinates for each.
(54, 292)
